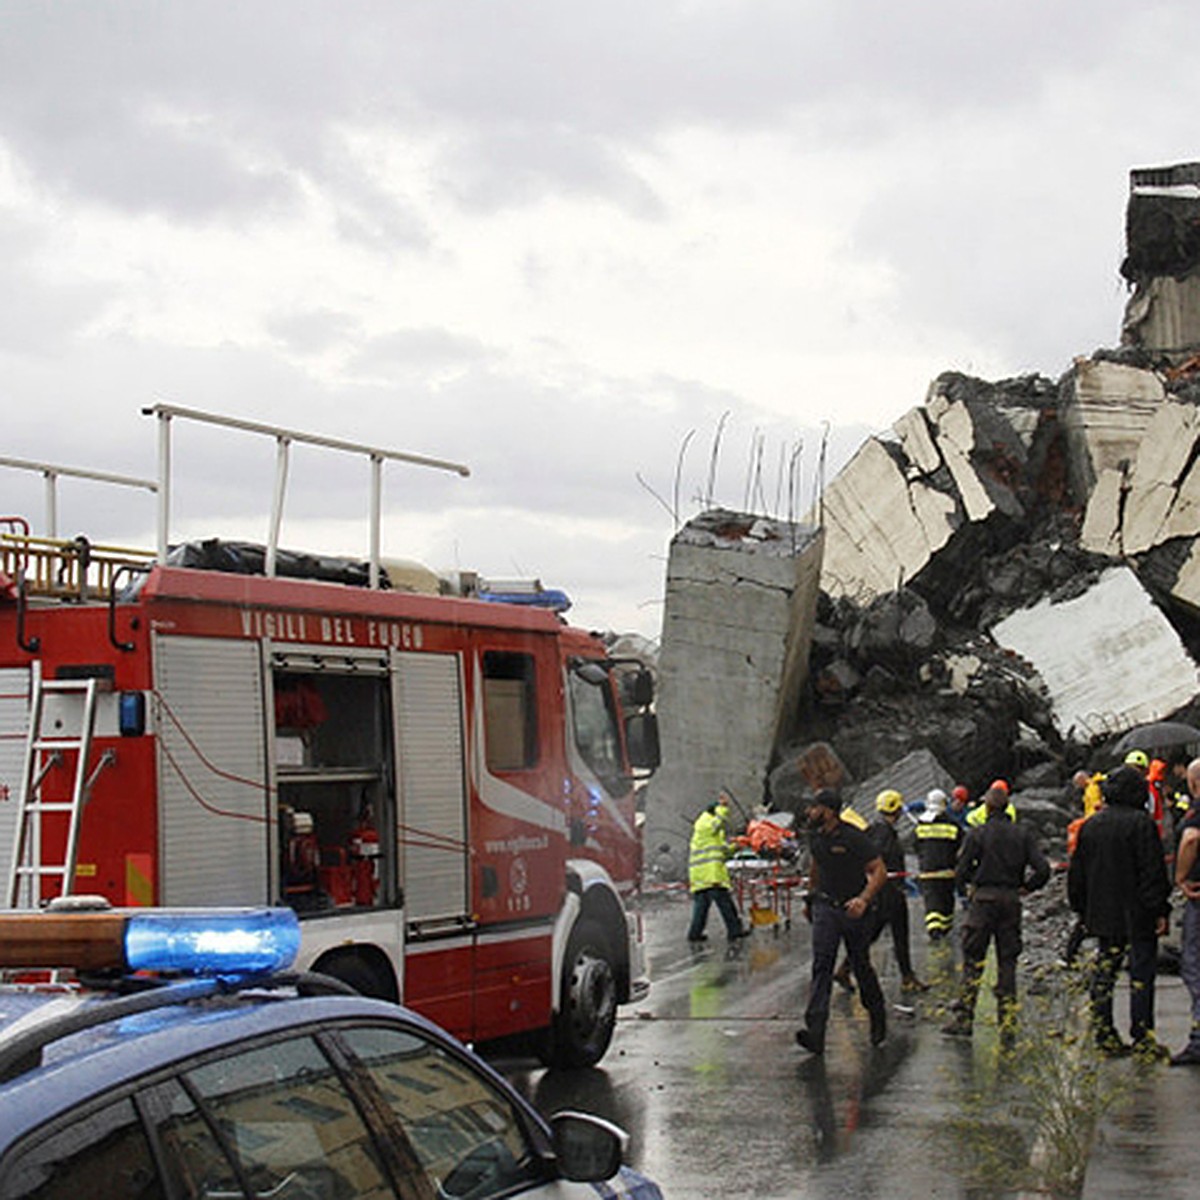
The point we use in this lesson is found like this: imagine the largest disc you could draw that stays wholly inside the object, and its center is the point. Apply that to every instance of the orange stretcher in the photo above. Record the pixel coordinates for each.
(763, 889)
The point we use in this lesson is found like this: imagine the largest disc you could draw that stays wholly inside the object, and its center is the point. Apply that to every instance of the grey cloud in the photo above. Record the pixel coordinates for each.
(1028, 266)
(419, 351)
(519, 164)
(39, 318)
(533, 95)
(313, 331)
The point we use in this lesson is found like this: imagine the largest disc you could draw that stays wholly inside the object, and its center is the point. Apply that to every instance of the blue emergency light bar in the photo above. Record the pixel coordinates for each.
(86, 934)
(213, 942)
(553, 599)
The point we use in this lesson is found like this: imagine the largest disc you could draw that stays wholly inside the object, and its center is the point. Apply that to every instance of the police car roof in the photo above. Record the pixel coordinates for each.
(113, 1053)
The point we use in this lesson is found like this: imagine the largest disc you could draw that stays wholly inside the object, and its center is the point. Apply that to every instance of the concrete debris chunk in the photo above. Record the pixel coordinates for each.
(1109, 658)
(1157, 497)
(881, 527)
(913, 776)
(804, 771)
(741, 601)
(951, 466)
(1106, 409)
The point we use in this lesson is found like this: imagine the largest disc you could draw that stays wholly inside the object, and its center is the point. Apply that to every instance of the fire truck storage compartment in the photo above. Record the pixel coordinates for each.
(332, 772)
(214, 818)
(427, 701)
(15, 698)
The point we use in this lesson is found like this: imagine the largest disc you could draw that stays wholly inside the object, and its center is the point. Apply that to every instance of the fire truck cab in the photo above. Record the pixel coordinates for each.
(442, 788)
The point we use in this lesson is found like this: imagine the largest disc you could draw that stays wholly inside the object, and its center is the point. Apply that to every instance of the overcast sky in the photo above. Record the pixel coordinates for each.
(552, 240)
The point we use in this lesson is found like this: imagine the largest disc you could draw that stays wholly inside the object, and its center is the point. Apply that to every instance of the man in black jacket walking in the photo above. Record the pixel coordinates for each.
(1000, 861)
(1118, 883)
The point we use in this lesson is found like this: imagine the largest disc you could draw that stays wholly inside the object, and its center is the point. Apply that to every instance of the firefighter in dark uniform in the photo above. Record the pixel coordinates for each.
(846, 875)
(1000, 862)
(938, 838)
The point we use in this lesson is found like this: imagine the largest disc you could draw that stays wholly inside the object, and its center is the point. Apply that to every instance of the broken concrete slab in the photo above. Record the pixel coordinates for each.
(804, 772)
(1101, 529)
(959, 442)
(741, 598)
(1155, 499)
(1105, 409)
(1109, 658)
(951, 466)
(1163, 315)
(914, 776)
(881, 527)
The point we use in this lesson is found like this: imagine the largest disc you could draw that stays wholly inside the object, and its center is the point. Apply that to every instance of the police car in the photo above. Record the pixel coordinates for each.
(182, 1060)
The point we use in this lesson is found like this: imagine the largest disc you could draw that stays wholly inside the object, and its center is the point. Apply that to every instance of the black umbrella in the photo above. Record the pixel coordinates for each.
(1161, 735)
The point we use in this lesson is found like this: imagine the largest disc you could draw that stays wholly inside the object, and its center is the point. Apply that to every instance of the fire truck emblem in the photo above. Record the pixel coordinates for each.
(518, 876)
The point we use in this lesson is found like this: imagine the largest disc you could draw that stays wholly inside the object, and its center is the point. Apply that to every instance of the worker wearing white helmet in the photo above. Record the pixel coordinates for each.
(938, 838)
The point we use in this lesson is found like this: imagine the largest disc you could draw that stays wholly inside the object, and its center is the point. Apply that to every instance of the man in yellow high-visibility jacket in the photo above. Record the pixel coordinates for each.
(978, 816)
(708, 876)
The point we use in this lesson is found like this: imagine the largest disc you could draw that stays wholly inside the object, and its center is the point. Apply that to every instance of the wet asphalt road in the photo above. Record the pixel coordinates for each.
(719, 1101)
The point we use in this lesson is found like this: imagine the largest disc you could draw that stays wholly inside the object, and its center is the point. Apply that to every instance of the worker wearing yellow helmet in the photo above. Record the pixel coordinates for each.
(891, 905)
(889, 801)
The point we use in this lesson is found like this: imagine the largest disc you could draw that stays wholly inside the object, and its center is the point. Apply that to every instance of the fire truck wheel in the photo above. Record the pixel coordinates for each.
(584, 1025)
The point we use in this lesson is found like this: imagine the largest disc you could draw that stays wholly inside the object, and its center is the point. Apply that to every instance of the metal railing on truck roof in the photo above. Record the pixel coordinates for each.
(76, 569)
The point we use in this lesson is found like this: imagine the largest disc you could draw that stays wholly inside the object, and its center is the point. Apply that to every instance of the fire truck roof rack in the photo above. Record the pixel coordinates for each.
(48, 565)
(51, 472)
(165, 413)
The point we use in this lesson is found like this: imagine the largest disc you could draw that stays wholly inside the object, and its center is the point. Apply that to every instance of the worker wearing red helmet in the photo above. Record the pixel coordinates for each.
(979, 814)
(960, 803)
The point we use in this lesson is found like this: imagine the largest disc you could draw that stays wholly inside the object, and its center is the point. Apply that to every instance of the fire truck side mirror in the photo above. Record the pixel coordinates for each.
(641, 737)
(637, 688)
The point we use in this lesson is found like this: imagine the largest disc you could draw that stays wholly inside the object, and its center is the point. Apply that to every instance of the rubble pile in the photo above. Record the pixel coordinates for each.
(1009, 577)
(969, 606)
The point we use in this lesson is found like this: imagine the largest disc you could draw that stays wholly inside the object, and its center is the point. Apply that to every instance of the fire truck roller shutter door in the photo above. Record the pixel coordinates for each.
(214, 830)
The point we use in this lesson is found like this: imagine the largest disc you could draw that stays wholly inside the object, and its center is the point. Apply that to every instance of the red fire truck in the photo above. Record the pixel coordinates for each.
(441, 787)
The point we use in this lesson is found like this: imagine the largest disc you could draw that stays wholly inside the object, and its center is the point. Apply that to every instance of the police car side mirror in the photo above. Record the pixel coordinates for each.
(587, 1149)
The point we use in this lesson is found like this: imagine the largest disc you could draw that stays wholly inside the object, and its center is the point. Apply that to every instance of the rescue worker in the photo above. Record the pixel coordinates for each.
(1117, 881)
(960, 805)
(851, 816)
(1187, 879)
(891, 905)
(1083, 782)
(1000, 861)
(979, 814)
(845, 876)
(938, 839)
(1178, 791)
(1162, 800)
(708, 876)
(1093, 796)
(1139, 760)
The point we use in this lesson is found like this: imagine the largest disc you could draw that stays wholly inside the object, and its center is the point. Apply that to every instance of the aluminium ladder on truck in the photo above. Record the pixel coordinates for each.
(45, 749)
